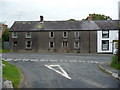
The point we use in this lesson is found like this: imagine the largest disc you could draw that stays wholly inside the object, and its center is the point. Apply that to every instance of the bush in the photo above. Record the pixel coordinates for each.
(5, 36)
(114, 63)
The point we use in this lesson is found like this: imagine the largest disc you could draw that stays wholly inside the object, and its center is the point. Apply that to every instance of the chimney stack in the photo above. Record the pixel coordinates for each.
(41, 18)
(90, 17)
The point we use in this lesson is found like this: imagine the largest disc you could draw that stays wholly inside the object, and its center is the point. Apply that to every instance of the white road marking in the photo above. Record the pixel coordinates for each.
(83, 61)
(92, 62)
(61, 60)
(55, 60)
(17, 59)
(8, 59)
(72, 61)
(25, 59)
(42, 60)
(32, 59)
(63, 73)
(65, 60)
(95, 62)
(51, 60)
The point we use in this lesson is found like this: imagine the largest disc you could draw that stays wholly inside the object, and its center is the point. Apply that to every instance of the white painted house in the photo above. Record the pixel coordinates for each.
(105, 40)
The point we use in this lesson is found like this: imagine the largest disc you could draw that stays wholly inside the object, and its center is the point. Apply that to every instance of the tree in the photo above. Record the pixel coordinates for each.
(99, 17)
(5, 36)
(71, 20)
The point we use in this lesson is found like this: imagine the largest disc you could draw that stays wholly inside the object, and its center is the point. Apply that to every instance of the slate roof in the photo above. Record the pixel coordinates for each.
(64, 25)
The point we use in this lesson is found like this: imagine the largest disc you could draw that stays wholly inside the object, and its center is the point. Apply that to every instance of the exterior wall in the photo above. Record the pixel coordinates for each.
(40, 42)
(113, 35)
(3, 27)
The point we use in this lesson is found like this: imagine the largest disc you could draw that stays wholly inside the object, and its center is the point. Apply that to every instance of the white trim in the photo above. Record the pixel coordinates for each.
(76, 35)
(30, 44)
(65, 44)
(13, 35)
(50, 45)
(66, 35)
(50, 35)
(77, 45)
(29, 35)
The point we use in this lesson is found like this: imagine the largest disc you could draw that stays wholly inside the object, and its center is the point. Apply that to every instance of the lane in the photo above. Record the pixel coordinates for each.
(82, 70)
(83, 75)
(63, 56)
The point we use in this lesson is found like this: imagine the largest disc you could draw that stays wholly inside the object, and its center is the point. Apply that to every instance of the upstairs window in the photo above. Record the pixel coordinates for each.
(51, 34)
(14, 35)
(105, 34)
(51, 44)
(76, 34)
(76, 44)
(65, 34)
(28, 34)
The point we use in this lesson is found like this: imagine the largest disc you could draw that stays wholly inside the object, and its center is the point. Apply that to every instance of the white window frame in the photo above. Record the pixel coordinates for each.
(50, 45)
(30, 44)
(13, 35)
(107, 45)
(77, 45)
(76, 35)
(63, 44)
(28, 36)
(50, 34)
(105, 32)
(66, 35)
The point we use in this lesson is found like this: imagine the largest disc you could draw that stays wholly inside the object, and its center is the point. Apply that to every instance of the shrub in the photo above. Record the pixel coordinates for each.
(114, 63)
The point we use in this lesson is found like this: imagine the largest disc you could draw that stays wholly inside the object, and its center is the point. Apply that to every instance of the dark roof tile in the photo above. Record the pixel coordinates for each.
(64, 25)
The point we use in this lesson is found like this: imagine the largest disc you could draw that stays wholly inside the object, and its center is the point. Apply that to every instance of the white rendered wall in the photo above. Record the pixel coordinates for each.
(113, 35)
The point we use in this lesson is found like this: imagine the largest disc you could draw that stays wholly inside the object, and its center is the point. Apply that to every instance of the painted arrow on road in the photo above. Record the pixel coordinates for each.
(62, 72)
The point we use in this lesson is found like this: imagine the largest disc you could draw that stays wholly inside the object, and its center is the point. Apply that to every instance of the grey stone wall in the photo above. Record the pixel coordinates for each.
(40, 42)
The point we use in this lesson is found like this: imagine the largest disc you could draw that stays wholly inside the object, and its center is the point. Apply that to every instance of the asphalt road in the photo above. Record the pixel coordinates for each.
(62, 70)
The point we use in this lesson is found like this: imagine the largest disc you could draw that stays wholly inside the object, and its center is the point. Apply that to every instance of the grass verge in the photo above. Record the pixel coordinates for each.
(12, 73)
(4, 50)
(114, 63)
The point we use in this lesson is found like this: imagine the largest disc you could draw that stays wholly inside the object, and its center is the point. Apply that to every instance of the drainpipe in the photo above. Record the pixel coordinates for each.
(89, 41)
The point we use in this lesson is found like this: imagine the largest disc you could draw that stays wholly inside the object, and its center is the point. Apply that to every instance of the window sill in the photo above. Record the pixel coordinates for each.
(76, 48)
(14, 37)
(28, 49)
(28, 37)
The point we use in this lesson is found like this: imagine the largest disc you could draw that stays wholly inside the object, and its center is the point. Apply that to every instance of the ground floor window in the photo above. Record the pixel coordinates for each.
(65, 44)
(105, 44)
(28, 44)
(51, 44)
(15, 43)
(76, 44)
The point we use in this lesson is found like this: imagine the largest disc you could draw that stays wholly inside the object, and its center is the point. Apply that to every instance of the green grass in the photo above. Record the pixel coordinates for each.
(12, 73)
(4, 50)
(114, 63)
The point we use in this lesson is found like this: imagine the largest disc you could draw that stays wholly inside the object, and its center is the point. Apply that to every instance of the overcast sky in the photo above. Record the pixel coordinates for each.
(24, 10)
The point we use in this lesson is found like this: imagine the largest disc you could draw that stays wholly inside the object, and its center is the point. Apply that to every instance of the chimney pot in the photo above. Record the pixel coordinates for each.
(90, 17)
(41, 18)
